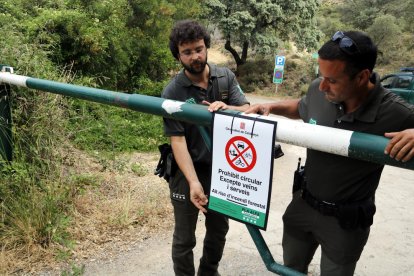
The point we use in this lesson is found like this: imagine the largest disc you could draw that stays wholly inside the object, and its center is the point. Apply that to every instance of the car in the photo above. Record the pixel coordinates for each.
(401, 83)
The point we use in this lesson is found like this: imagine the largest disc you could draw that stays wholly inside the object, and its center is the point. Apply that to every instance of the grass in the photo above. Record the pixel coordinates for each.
(96, 127)
(72, 175)
(75, 220)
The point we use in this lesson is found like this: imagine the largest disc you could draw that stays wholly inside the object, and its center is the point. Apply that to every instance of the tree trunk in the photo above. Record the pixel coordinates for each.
(234, 53)
(244, 52)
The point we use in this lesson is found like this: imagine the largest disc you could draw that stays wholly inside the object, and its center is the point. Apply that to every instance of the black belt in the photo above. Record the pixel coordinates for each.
(324, 207)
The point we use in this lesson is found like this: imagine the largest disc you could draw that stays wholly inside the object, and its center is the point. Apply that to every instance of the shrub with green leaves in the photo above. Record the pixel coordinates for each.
(255, 74)
(118, 45)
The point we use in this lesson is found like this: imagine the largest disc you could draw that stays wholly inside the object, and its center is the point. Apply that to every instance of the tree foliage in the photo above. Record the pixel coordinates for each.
(113, 44)
(112, 41)
(389, 22)
(262, 25)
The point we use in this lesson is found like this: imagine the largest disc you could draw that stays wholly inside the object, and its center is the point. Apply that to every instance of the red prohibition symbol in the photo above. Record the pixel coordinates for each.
(240, 154)
(278, 74)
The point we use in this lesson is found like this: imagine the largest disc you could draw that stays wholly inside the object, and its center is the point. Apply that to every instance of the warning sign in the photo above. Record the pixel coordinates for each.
(242, 168)
(240, 154)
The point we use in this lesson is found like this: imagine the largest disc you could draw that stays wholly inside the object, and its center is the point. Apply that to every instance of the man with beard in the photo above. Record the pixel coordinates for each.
(199, 83)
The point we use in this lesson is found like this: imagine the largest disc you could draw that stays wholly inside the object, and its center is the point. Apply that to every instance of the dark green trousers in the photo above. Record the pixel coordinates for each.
(305, 229)
(184, 239)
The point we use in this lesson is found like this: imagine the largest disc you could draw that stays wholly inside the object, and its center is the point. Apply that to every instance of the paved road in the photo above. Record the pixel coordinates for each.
(390, 249)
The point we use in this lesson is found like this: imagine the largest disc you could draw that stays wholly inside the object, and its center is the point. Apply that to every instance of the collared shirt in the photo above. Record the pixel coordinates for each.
(335, 178)
(182, 89)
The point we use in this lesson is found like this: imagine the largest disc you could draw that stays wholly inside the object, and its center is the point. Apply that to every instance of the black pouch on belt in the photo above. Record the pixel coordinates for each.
(348, 216)
(166, 166)
(358, 214)
(367, 210)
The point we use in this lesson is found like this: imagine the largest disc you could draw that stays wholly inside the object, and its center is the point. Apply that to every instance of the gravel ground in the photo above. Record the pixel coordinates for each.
(389, 250)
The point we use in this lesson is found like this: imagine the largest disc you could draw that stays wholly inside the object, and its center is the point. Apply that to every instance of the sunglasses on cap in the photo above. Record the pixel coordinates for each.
(345, 43)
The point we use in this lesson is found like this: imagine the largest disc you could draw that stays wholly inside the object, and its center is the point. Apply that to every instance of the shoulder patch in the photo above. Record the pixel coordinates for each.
(190, 101)
(241, 90)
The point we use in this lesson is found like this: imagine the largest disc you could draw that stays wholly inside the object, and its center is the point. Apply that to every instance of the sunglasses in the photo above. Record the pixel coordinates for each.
(345, 43)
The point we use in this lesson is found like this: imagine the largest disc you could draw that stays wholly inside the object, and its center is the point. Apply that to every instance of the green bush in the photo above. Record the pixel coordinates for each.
(115, 44)
(96, 127)
(255, 74)
(298, 74)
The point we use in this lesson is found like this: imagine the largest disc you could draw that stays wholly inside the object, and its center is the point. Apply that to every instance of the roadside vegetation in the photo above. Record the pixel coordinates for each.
(81, 171)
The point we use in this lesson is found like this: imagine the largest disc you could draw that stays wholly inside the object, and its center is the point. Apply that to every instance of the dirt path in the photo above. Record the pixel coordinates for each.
(390, 249)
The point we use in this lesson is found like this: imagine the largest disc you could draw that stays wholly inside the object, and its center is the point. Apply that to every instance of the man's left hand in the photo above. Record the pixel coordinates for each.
(215, 105)
(401, 145)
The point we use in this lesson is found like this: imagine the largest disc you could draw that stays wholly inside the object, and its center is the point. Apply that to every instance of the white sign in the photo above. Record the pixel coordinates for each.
(242, 167)
(280, 61)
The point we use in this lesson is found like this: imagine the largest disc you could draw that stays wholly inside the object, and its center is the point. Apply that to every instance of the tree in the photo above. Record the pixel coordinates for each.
(389, 23)
(329, 20)
(384, 31)
(262, 25)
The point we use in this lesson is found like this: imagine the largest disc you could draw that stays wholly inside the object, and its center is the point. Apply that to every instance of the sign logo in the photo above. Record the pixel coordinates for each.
(312, 121)
(190, 101)
(240, 154)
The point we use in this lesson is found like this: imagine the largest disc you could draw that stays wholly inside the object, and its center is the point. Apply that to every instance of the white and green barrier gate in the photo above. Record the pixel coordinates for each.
(341, 142)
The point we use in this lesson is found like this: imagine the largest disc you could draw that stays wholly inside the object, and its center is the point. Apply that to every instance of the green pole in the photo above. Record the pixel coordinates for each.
(6, 146)
(147, 104)
(266, 255)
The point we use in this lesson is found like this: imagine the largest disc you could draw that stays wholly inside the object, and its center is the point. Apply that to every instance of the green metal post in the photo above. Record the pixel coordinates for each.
(6, 146)
(267, 257)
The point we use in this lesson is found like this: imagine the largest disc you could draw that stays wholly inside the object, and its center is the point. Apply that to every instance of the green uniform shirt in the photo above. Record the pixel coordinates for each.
(339, 179)
(182, 89)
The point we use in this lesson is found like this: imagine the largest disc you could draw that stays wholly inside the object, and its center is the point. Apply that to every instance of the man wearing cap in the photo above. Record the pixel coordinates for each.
(335, 204)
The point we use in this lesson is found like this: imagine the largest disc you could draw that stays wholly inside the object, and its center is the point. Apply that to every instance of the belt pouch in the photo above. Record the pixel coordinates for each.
(348, 216)
(366, 213)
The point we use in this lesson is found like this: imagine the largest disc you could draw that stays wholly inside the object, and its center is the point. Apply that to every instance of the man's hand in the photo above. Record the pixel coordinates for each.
(215, 106)
(197, 196)
(262, 109)
(401, 145)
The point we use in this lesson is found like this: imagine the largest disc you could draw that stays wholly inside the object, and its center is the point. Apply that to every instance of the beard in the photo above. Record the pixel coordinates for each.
(197, 67)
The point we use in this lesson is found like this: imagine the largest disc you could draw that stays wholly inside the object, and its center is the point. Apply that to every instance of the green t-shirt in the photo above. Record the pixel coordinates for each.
(182, 89)
(339, 179)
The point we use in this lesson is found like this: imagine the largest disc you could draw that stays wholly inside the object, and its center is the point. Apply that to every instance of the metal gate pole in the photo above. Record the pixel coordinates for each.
(6, 144)
(266, 255)
(352, 144)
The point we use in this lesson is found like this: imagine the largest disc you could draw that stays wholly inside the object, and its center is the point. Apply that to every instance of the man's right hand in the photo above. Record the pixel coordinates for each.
(262, 109)
(197, 196)
(401, 145)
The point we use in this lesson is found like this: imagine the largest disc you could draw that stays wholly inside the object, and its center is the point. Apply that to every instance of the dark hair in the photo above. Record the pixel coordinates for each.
(363, 57)
(187, 31)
